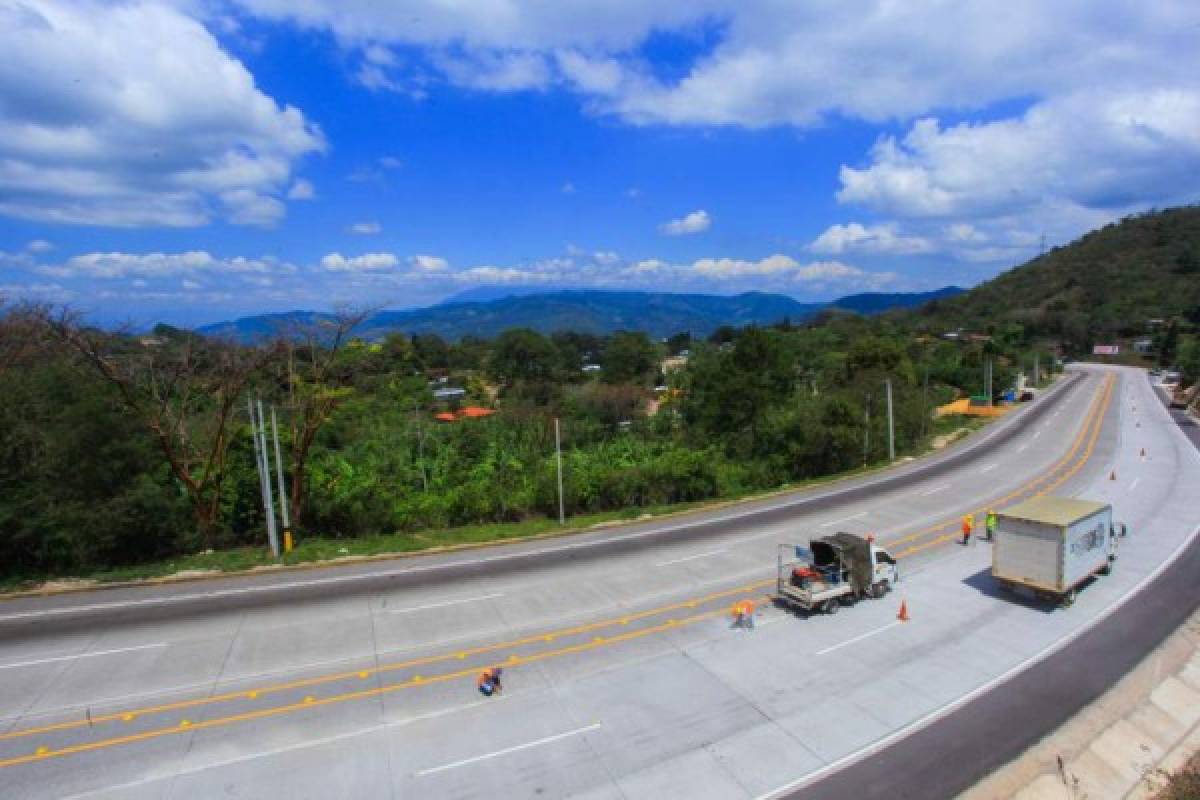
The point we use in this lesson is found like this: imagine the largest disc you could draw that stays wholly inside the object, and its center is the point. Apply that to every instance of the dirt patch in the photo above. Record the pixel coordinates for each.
(950, 438)
(66, 585)
(1184, 784)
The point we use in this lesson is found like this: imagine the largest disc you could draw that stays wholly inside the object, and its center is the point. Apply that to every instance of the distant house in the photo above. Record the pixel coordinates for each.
(590, 368)
(470, 412)
(1143, 345)
(449, 394)
(673, 363)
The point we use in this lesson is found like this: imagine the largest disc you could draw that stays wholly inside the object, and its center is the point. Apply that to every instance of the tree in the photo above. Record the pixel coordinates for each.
(523, 354)
(628, 358)
(316, 384)
(184, 390)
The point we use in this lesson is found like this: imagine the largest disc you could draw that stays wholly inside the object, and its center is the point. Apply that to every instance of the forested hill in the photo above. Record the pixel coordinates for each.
(1106, 284)
(658, 314)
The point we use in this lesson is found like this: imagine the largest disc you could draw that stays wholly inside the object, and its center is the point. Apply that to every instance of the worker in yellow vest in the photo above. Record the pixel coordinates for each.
(990, 523)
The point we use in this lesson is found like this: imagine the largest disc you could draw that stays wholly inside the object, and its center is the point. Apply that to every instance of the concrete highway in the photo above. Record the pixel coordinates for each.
(623, 677)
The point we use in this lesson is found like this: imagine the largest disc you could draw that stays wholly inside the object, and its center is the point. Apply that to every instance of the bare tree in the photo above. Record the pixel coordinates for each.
(22, 333)
(316, 386)
(184, 389)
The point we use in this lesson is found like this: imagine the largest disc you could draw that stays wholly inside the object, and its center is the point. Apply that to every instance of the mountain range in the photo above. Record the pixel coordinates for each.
(486, 311)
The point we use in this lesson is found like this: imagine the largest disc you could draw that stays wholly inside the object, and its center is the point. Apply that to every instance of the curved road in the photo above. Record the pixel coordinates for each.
(623, 678)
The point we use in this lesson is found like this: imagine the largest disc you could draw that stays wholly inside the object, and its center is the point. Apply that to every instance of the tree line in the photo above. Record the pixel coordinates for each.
(118, 448)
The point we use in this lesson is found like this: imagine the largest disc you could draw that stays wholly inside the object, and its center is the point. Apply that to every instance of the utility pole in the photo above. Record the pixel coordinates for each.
(925, 403)
(420, 448)
(283, 508)
(562, 514)
(264, 479)
(891, 426)
(272, 531)
(866, 428)
(1036, 357)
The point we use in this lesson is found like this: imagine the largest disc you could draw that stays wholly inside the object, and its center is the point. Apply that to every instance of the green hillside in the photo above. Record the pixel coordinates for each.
(1102, 287)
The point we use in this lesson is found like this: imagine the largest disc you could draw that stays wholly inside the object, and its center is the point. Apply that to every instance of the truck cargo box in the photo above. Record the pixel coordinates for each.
(1053, 544)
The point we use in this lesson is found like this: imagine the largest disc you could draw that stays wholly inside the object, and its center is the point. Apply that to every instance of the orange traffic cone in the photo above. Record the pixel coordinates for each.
(903, 615)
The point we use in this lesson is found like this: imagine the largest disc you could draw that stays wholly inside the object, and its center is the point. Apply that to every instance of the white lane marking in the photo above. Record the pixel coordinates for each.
(843, 519)
(936, 489)
(1133, 485)
(335, 738)
(732, 516)
(866, 635)
(689, 558)
(546, 740)
(428, 606)
(935, 715)
(989, 468)
(74, 656)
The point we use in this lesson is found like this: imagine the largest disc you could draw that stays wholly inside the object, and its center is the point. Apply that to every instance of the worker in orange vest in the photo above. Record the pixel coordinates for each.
(489, 682)
(743, 614)
(967, 523)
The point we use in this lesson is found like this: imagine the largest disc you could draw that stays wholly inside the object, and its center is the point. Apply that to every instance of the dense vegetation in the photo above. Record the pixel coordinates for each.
(119, 449)
(1103, 288)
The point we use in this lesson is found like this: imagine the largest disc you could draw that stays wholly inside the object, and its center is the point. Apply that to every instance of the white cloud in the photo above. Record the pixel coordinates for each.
(132, 115)
(695, 222)
(39, 246)
(160, 265)
(365, 228)
(778, 267)
(869, 239)
(302, 189)
(429, 263)
(368, 262)
(1088, 150)
(390, 162)
(567, 188)
(964, 232)
(606, 258)
(191, 285)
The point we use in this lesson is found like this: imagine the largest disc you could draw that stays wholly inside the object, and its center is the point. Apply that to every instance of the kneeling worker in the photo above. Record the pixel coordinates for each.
(489, 682)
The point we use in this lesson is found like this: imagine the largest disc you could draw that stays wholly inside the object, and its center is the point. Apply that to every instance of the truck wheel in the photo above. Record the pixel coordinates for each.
(878, 590)
(1107, 568)
(832, 606)
(1068, 599)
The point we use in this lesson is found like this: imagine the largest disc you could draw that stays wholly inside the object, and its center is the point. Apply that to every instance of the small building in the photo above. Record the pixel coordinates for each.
(591, 368)
(449, 394)
(1144, 345)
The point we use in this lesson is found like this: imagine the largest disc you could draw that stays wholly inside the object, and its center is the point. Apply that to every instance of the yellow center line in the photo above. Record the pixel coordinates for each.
(1094, 425)
(129, 715)
(43, 753)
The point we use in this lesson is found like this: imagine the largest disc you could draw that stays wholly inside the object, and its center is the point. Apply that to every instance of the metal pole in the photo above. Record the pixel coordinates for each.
(272, 533)
(420, 449)
(891, 426)
(264, 480)
(283, 503)
(925, 403)
(1035, 369)
(867, 428)
(562, 514)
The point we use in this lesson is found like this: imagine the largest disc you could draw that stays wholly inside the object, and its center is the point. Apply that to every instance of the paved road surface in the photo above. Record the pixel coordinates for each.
(623, 677)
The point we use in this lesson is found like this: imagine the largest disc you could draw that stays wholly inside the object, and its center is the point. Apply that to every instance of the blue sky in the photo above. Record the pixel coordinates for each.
(194, 160)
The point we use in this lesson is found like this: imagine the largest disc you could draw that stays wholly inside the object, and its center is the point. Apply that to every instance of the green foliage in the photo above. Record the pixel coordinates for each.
(629, 358)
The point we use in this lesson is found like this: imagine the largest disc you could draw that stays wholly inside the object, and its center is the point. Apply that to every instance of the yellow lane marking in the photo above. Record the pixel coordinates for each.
(1093, 427)
(129, 715)
(43, 754)
(1049, 472)
(329, 678)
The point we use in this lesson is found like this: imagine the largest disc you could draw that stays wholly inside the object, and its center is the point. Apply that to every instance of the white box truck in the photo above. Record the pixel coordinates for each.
(1052, 545)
